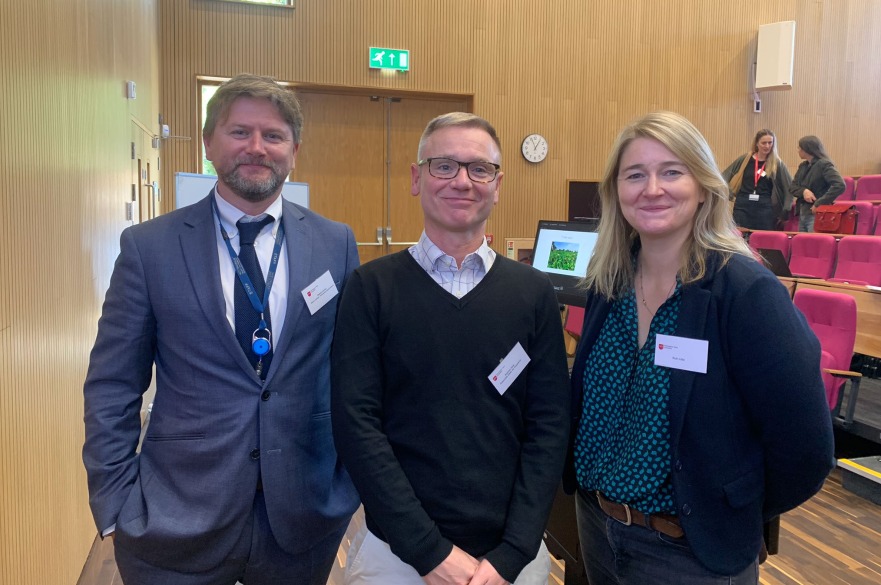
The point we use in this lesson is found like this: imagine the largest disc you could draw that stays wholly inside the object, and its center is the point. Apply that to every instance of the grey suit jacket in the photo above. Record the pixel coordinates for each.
(183, 501)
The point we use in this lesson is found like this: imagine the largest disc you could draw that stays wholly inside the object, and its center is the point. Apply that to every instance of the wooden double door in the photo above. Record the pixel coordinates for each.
(356, 153)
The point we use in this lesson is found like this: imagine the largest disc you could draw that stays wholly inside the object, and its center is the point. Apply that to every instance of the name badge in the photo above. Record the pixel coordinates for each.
(511, 367)
(320, 292)
(753, 196)
(681, 353)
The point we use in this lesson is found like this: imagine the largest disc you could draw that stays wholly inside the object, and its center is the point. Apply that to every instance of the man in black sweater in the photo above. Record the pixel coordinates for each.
(450, 398)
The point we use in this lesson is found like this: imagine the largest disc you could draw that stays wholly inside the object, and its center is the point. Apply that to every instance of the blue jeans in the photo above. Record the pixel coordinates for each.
(615, 554)
(806, 222)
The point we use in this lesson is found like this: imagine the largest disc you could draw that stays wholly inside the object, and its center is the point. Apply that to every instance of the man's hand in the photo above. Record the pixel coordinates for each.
(809, 196)
(486, 574)
(457, 569)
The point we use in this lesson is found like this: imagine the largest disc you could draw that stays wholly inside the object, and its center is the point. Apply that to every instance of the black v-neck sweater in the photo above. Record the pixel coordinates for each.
(439, 456)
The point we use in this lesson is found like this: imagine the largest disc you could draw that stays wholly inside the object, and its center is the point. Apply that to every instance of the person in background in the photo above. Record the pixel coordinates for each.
(690, 427)
(759, 183)
(817, 182)
(450, 400)
(237, 478)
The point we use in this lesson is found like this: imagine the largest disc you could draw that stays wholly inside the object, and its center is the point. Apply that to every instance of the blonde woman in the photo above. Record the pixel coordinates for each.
(690, 427)
(759, 183)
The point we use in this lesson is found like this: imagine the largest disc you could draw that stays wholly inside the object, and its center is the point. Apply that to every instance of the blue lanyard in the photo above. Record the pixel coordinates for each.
(243, 275)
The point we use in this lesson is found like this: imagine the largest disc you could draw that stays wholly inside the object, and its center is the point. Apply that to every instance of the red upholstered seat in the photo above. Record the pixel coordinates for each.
(866, 218)
(833, 319)
(859, 260)
(766, 239)
(812, 255)
(574, 321)
(868, 187)
(849, 189)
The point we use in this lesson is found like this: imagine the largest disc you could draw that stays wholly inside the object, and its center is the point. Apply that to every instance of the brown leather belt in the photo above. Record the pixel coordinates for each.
(663, 523)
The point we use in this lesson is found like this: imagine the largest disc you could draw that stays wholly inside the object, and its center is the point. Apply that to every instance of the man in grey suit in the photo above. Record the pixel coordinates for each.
(237, 477)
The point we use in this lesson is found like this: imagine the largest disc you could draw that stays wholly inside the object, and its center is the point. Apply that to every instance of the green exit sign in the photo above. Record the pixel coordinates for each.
(392, 59)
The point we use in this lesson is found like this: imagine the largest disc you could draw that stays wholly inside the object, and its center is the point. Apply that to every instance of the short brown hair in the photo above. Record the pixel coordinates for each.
(254, 86)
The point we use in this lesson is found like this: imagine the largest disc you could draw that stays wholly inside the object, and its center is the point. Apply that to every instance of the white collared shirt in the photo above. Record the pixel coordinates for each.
(265, 242)
(442, 268)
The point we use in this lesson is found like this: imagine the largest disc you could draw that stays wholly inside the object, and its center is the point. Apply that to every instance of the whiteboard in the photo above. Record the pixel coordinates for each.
(191, 187)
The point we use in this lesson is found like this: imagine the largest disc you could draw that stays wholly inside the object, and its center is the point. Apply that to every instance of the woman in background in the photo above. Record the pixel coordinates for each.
(817, 181)
(759, 183)
(690, 427)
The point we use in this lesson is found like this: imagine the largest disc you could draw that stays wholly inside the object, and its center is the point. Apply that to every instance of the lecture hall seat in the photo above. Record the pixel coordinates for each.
(573, 325)
(791, 224)
(761, 239)
(859, 260)
(832, 317)
(866, 217)
(812, 255)
(868, 187)
(848, 195)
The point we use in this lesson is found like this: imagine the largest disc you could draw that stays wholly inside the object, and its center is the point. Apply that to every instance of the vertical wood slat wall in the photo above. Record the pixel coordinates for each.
(571, 70)
(65, 129)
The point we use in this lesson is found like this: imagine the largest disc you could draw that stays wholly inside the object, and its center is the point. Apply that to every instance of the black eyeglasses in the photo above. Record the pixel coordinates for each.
(446, 168)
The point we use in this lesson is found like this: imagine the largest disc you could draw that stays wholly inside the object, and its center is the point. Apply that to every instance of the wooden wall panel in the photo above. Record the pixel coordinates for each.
(574, 71)
(65, 127)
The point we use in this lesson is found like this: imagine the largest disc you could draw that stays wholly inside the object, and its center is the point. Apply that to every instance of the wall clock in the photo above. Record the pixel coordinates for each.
(534, 148)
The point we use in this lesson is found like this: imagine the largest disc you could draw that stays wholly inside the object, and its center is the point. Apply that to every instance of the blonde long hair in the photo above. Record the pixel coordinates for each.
(770, 163)
(611, 271)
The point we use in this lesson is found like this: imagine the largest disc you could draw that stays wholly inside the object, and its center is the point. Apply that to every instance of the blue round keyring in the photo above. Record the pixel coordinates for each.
(262, 343)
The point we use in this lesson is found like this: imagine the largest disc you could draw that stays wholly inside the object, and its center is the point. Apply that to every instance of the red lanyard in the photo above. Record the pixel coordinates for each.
(759, 171)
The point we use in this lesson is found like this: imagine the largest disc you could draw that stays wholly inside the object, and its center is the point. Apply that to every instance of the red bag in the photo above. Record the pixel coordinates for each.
(836, 219)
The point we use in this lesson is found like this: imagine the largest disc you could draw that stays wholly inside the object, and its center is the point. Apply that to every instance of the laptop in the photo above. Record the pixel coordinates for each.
(562, 250)
(776, 263)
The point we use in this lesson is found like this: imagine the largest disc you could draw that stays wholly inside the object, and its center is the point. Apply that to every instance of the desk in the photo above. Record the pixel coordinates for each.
(789, 283)
(868, 340)
(746, 231)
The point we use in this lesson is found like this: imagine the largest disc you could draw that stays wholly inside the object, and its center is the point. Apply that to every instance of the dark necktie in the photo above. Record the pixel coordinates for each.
(247, 319)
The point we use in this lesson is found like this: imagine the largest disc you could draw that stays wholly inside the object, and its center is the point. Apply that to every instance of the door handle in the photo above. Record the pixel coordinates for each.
(388, 239)
(378, 241)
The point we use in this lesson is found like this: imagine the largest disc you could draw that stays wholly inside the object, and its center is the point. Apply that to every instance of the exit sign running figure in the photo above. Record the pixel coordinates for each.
(391, 59)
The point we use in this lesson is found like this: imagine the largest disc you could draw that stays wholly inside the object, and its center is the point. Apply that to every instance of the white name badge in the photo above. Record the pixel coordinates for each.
(753, 196)
(320, 292)
(681, 353)
(507, 371)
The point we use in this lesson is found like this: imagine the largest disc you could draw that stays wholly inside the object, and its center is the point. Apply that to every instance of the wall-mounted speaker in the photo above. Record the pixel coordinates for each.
(775, 56)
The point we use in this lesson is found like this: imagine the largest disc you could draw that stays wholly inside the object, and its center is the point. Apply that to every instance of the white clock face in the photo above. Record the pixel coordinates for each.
(534, 148)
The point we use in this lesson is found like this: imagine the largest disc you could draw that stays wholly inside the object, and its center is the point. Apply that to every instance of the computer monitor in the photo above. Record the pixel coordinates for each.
(562, 250)
(584, 200)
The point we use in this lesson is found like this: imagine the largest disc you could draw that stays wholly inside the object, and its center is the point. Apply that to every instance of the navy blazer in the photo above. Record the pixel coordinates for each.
(751, 438)
(183, 501)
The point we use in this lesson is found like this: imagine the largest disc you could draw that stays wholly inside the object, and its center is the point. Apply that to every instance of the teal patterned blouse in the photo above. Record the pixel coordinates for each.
(622, 447)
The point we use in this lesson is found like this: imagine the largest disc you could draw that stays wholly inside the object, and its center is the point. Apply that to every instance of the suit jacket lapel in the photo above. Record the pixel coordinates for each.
(298, 246)
(198, 241)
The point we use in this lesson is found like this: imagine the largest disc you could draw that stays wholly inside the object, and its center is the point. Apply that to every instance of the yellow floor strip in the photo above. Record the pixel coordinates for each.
(850, 463)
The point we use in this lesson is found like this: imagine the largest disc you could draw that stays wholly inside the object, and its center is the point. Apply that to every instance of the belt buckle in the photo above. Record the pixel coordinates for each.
(629, 516)
(626, 507)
